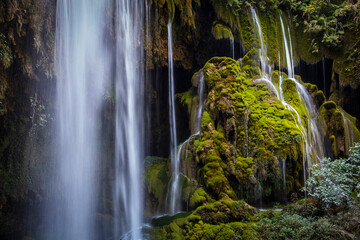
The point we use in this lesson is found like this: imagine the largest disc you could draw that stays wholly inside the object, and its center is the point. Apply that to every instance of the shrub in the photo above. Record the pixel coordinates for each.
(336, 183)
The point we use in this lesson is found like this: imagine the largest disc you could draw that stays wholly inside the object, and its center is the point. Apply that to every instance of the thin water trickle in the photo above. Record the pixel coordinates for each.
(324, 76)
(174, 154)
(200, 107)
(232, 48)
(283, 165)
(264, 63)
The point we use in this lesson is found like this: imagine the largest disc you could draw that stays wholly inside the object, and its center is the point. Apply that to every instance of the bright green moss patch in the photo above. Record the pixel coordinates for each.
(157, 178)
(219, 31)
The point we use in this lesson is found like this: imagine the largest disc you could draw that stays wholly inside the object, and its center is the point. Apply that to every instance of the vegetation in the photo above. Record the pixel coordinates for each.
(337, 182)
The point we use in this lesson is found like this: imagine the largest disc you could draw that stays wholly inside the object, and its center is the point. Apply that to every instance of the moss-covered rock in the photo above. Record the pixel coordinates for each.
(157, 180)
(245, 129)
(223, 219)
(340, 128)
(220, 31)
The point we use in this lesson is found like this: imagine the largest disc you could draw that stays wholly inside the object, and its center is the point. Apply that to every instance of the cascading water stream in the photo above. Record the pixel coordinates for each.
(232, 48)
(315, 149)
(312, 141)
(312, 138)
(264, 63)
(85, 63)
(266, 70)
(174, 197)
(348, 132)
(81, 65)
(324, 76)
(129, 137)
(200, 107)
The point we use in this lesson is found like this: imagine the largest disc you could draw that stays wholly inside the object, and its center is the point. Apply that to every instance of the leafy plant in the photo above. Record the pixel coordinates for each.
(336, 183)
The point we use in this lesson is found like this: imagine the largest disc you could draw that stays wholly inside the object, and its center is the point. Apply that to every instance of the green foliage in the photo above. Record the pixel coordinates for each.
(336, 182)
(296, 227)
(326, 21)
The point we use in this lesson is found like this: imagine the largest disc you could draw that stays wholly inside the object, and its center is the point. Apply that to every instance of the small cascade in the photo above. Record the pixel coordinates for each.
(232, 48)
(311, 136)
(314, 146)
(283, 166)
(174, 197)
(324, 76)
(264, 63)
(175, 187)
(266, 70)
(260, 195)
(201, 102)
(312, 139)
(348, 132)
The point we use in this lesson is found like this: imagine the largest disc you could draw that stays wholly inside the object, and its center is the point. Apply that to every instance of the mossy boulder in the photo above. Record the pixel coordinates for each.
(245, 129)
(223, 219)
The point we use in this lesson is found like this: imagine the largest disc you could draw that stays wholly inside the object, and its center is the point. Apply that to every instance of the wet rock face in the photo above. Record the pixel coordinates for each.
(27, 34)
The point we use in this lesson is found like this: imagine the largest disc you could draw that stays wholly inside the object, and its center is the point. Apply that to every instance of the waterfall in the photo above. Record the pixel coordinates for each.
(89, 59)
(349, 134)
(232, 48)
(264, 63)
(312, 139)
(174, 197)
(283, 166)
(266, 70)
(201, 102)
(81, 62)
(324, 76)
(129, 137)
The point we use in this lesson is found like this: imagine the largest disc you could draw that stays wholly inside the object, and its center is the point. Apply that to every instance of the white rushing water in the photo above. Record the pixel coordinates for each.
(129, 142)
(264, 63)
(312, 139)
(96, 50)
(311, 136)
(174, 154)
(197, 126)
(349, 134)
(81, 63)
(232, 47)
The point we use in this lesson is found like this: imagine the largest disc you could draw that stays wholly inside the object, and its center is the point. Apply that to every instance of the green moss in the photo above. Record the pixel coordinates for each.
(219, 31)
(166, 220)
(206, 120)
(199, 197)
(157, 180)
